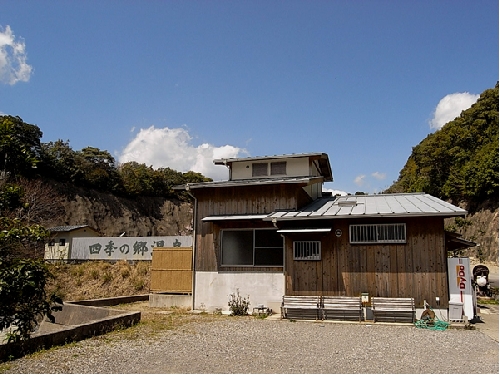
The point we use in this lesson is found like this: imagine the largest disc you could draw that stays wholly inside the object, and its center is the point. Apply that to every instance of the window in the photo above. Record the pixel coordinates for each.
(259, 169)
(307, 250)
(252, 247)
(52, 243)
(278, 168)
(262, 169)
(62, 242)
(377, 233)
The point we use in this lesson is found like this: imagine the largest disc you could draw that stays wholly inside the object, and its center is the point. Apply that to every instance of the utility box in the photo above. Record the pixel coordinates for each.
(455, 311)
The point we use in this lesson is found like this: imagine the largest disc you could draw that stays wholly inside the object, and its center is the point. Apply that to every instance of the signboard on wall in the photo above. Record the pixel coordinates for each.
(460, 282)
(123, 248)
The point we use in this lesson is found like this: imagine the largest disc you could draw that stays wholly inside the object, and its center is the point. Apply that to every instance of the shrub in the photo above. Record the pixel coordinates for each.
(238, 305)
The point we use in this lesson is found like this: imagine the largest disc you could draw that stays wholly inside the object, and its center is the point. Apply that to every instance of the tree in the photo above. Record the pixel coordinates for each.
(23, 297)
(59, 161)
(19, 145)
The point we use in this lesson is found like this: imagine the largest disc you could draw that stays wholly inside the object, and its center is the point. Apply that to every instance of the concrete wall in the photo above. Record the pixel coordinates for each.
(212, 289)
(73, 323)
(116, 248)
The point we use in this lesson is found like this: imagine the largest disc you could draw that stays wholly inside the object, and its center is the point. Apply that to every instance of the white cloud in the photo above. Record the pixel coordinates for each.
(379, 175)
(172, 148)
(335, 192)
(360, 180)
(13, 66)
(450, 108)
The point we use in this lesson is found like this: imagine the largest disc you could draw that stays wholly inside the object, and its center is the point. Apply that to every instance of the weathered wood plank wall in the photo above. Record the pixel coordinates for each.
(415, 269)
(238, 201)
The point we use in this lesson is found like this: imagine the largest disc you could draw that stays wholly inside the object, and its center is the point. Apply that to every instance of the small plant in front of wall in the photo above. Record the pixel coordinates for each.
(238, 305)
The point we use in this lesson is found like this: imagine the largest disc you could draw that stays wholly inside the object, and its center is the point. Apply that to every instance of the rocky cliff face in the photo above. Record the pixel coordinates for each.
(156, 216)
(482, 228)
(112, 216)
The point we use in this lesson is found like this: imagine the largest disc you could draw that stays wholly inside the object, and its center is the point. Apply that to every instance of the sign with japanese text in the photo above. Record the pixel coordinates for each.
(460, 282)
(123, 248)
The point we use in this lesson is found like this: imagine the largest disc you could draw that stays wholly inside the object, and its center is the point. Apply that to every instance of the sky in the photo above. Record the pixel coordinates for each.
(180, 83)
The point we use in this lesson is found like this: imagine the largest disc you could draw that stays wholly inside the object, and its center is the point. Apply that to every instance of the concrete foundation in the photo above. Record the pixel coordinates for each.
(170, 300)
(213, 289)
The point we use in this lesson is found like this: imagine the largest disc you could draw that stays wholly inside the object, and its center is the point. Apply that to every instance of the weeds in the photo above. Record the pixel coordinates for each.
(92, 279)
(238, 305)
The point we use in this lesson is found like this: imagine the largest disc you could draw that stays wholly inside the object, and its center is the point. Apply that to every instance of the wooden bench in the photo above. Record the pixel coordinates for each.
(300, 307)
(393, 309)
(341, 307)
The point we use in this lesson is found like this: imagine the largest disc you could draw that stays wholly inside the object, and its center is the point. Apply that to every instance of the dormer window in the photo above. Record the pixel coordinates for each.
(259, 169)
(263, 169)
(278, 168)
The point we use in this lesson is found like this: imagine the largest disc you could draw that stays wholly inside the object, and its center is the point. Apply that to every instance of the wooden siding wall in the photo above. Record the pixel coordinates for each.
(416, 269)
(238, 201)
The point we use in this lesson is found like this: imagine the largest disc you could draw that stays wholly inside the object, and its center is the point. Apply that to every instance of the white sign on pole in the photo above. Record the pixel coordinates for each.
(460, 282)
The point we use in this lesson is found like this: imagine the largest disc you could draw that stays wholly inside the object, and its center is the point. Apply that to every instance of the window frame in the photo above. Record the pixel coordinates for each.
(379, 233)
(254, 248)
(258, 169)
(316, 248)
(278, 168)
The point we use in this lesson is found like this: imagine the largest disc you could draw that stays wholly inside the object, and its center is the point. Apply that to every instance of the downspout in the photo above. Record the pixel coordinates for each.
(195, 224)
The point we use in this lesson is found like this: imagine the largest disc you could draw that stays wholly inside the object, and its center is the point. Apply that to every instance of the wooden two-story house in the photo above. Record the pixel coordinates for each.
(268, 231)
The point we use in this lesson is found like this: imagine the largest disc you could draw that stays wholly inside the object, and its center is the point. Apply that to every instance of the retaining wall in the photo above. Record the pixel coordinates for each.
(75, 322)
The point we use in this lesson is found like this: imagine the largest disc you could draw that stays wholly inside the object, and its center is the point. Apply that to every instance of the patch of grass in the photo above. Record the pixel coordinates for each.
(78, 271)
(94, 274)
(107, 277)
(125, 272)
(485, 301)
(155, 320)
(142, 268)
(96, 279)
(138, 283)
(5, 367)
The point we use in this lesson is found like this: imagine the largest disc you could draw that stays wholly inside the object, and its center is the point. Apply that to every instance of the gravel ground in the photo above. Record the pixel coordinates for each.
(249, 345)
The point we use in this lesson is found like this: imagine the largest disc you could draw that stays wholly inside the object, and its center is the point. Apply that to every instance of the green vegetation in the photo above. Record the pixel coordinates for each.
(23, 296)
(459, 162)
(22, 154)
(238, 305)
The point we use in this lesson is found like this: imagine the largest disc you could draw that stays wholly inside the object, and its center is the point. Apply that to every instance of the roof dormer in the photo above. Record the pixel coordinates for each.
(278, 166)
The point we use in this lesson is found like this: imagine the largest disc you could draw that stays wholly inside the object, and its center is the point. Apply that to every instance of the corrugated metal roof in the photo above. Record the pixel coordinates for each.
(381, 205)
(224, 161)
(68, 228)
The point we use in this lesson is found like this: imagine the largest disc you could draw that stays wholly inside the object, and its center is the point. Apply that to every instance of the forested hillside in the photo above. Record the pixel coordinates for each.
(459, 163)
(22, 154)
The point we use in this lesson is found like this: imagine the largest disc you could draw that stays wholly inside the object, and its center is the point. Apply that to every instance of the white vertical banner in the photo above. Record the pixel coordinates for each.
(460, 282)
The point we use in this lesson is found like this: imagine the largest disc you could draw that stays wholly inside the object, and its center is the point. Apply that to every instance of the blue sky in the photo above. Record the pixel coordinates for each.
(178, 83)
